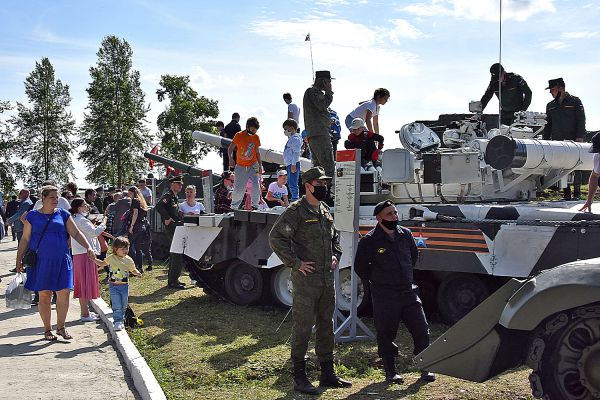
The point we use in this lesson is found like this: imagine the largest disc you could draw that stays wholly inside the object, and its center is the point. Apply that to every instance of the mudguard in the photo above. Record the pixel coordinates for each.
(494, 336)
(557, 289)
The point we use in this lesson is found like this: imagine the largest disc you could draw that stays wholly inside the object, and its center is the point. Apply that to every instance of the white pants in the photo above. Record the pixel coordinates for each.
(242, 174)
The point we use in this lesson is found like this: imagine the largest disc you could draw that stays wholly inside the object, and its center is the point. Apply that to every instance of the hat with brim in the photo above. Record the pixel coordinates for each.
(357, 123)
(176, 179)
(323, 74)
(380, 206)
(555, 82)
(282, 172)
(313, 174)
(595, 143)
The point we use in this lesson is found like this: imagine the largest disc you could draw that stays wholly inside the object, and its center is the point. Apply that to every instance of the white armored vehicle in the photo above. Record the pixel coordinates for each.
(468, 197)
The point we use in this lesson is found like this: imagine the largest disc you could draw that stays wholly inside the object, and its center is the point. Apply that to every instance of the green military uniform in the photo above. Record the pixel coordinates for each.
(305, 233)
(516, 94)
(168, 207)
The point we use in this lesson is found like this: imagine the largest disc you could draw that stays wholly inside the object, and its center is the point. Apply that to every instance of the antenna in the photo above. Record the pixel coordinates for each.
(500, 71)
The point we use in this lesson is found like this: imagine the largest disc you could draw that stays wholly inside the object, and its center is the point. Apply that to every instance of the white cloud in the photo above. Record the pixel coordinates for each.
(486, 10)
(579, 35)
(403, 29)
(555, 45)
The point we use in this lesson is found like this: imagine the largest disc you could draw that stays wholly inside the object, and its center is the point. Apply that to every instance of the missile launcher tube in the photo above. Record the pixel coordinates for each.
(265, 154)
(185, 168)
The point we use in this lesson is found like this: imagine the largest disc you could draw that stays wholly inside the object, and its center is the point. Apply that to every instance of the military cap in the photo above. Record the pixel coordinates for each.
(595, 143)
(313, 174)
(323, 74)
(380, 206)
(176, 179)
(496, 69)
(555, 82)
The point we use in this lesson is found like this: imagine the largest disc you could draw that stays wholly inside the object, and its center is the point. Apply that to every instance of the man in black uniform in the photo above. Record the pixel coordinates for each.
(565, 120)
(168, 208)
(516, 95)
(386, 257)
(229, 132)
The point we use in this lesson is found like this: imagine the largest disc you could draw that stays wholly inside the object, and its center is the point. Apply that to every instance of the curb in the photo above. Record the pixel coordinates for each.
(143, 378)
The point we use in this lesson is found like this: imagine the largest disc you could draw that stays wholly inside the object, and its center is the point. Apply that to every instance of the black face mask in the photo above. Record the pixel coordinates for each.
(389, 224)
(320, 192)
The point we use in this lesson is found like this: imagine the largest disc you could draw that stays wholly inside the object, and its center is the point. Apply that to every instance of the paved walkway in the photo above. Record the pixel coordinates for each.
(87, 367)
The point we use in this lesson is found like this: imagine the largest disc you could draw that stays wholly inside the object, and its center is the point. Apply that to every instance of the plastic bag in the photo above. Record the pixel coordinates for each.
(16, 295)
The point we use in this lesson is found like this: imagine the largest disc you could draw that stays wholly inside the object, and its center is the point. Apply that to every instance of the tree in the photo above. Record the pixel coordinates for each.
(45, 128)
(9, 169)
(113, 133)
(186, 112)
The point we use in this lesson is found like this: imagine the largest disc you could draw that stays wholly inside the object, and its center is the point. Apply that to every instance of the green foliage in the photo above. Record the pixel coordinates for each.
(44, 128)
(113, 132)
(185, 113)
(9, 169)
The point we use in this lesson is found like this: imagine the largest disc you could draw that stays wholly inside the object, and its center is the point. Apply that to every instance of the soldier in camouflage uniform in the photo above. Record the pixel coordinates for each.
(516, 95)
(305, 239)
(317, 121)
(168, 208)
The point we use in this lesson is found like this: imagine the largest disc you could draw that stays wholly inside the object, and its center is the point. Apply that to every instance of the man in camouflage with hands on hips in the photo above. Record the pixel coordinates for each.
(305, 239)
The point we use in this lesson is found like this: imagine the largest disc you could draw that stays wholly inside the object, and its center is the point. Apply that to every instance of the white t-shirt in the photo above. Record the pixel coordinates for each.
(62, 203)
(361, 111)
(197, 208)
(147, 193)
(295, 110)
(597, 163)
(278, 192)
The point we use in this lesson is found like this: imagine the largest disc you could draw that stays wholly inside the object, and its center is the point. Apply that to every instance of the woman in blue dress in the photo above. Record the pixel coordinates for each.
(53, 270)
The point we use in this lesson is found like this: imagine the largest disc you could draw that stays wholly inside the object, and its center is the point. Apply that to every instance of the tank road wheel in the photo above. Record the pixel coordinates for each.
(565, 356)
(281, 286)
(342, 293)
(458, 294)
(243, 283)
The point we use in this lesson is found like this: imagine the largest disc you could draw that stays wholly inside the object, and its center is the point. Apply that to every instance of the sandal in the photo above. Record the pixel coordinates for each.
(65, 335)
(49, 336)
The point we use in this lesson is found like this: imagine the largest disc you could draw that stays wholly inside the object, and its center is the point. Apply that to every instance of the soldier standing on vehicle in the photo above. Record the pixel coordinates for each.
(168, 208)
(565, 120)
(317, 121)
(305, 239)
(516, 95)
(386, 257)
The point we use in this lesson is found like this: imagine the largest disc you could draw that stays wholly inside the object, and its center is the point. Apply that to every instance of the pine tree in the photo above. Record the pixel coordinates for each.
(113, 131)
(45, 127)
(9, 167)
(185, 113)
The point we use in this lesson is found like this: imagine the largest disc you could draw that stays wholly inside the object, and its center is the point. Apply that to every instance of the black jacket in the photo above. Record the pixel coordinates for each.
(231, 129)
(566, 120)
(385, 262)
(516, 95)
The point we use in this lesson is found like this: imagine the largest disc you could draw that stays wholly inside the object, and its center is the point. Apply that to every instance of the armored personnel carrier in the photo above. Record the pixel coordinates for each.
(468, 194)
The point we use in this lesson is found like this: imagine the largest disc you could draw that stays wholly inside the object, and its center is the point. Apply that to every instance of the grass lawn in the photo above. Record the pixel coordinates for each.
(200, 347)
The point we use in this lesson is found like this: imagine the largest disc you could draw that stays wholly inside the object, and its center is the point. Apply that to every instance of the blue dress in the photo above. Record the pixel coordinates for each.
(54, 268)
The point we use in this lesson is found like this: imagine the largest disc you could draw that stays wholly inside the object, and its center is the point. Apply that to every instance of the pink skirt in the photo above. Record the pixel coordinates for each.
(85, 278)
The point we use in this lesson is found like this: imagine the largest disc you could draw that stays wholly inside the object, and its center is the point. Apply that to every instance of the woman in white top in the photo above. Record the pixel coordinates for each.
(85, 272)
(368, 111)
(190, 206)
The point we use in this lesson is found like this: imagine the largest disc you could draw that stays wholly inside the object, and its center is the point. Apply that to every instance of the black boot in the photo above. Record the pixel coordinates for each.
(329, 378)
(301, 382)
(389, 365)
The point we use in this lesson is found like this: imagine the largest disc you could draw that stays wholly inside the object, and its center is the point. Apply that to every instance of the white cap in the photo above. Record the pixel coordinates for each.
(357, 123)
(281, 172)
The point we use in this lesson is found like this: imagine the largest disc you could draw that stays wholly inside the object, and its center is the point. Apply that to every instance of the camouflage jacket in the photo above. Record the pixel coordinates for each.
(303, 233)
(566, 120)
(317, 120)
(516, 95)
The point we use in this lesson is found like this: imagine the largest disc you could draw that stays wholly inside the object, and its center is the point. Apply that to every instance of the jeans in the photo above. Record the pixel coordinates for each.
(119, 295)
(136, 250)
(293, 181)
(242, 174)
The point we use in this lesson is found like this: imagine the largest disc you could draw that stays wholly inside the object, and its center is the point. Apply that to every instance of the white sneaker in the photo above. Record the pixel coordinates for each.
(90, 318)
(119, 326)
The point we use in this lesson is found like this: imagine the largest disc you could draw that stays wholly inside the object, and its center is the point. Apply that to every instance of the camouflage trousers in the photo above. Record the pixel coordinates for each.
(321, 149)
(313, 304)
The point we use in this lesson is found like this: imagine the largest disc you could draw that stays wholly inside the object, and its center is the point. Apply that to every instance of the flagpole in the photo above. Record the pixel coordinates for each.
(312, 65)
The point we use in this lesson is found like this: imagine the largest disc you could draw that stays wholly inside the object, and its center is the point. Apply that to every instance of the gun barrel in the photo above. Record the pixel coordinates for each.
(186, 168)
(503, 152)
(265, 154)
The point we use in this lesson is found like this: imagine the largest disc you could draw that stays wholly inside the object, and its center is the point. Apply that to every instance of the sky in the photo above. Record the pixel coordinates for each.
(432, 55)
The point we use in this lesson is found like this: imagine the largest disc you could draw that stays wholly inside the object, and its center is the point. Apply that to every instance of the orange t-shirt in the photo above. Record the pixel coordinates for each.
(247, 147)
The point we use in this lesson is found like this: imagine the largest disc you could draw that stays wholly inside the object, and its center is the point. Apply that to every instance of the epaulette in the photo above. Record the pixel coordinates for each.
(294, 204)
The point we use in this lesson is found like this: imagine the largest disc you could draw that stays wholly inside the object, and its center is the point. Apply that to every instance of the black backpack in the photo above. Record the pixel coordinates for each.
(131, 321)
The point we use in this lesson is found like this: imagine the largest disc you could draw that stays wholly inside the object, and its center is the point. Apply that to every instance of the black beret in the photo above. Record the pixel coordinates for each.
(380, 206)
